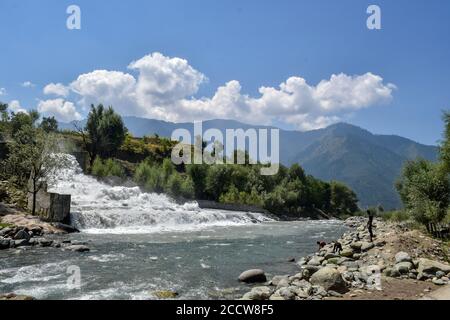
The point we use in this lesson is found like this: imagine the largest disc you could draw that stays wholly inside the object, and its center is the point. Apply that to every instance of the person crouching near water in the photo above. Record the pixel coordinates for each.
(321, 244)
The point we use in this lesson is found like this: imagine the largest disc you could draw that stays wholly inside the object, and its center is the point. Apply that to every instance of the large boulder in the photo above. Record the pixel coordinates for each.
(329, 279)
(366, 246)
(253, 276)
(4, 243)
(428, 268)
(356, 246)
(402, 257)
(6, 231)
(404, 267)
(316, 261)
(347, 252)
(258, 293)
(22, 235)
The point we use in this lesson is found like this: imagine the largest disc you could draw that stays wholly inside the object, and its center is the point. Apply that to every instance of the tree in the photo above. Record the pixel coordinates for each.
(49, 124)
(104, 132)
(425, 190)
(19, 121)
(32, 152)
(343, 200)
(3, 112)
(4, 117)
(198, 173)
(445, 145)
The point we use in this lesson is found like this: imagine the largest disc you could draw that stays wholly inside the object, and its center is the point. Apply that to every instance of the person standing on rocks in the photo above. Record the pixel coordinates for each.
(371, 215)
(337, 247)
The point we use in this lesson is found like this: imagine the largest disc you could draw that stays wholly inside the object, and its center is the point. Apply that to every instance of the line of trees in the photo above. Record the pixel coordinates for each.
(30, 162)
(289, 192)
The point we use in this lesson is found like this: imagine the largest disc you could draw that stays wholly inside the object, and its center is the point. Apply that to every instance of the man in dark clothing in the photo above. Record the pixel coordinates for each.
(370, 223)
(337, 248)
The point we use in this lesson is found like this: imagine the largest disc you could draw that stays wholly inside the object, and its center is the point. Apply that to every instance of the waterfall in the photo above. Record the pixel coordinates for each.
(100, 208)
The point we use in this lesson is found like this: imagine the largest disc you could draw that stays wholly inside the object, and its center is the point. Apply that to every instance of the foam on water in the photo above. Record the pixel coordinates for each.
(100, 208)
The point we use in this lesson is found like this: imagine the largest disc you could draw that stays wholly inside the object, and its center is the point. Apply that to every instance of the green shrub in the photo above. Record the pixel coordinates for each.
(107, 168)
(173, 186)
(395, 216)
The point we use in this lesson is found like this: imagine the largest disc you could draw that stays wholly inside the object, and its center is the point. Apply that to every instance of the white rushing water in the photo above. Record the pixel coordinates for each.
(100, 208)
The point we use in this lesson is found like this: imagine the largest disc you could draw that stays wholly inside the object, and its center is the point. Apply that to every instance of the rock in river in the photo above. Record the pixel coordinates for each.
(77, 248)
(252, 276)
(22, 235)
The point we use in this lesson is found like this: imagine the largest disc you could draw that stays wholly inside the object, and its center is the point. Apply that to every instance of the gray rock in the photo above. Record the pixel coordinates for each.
(78, 248)
(45, 242)
(77, 243)
(320, 291)
(331, 255)
(428, 267)
(303, 284)
(253, 276)
(21, 243)
(276, 280)
(286, 293)
(316, 261)
(301, 262)
(5, 231)
(402, 257)
(403, 267)
(329, 279)
(366, 246)
(258, 293)
(4, 243)
(347, 252)
(439, 282)
(440, 274)
(332, 293)
(22, 235)
(356, 246)
(283, 283)
(394, 273)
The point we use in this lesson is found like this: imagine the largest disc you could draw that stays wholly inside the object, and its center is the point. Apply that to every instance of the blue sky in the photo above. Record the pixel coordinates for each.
(257, 43)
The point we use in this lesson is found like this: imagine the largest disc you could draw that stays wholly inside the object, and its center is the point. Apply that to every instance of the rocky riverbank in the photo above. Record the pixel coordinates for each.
(19, 230)
(400, 263)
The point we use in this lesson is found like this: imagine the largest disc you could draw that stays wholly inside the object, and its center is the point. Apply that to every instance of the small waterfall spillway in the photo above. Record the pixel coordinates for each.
(100, 208)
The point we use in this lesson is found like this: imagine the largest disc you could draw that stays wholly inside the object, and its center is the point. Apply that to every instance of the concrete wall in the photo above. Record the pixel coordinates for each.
(51, 207)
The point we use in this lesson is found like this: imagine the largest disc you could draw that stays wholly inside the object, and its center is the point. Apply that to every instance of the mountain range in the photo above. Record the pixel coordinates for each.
(368, 163)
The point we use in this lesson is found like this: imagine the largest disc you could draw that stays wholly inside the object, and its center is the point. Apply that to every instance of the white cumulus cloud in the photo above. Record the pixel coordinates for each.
(62, 110)
(165, 88)
(2, 91)
(28, 84)
(57, 89)
(14, 106)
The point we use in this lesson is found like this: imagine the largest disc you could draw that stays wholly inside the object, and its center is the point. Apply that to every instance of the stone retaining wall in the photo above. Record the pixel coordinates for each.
(51, 207)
